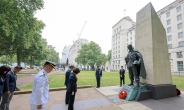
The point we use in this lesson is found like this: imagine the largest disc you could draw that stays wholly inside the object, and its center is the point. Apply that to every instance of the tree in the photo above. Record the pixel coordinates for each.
(109, 55)
(101, 59)
(17, 25)
(90, 54)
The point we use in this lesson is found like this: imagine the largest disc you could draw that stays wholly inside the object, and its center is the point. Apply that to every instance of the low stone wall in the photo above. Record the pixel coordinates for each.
(51, 89)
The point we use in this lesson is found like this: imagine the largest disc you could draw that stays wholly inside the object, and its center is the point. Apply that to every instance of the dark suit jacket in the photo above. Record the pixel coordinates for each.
(98, 73)
(72, 86)
(67, 75)
(10, 82)
(122, 72)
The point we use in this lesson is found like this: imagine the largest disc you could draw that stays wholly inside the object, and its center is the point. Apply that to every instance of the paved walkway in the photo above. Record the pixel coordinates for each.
(174, 103)
(29, 79)
(105, 98)
(86, 99)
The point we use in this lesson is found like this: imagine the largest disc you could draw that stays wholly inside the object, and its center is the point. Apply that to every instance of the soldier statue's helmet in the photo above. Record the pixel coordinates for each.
(50, 63)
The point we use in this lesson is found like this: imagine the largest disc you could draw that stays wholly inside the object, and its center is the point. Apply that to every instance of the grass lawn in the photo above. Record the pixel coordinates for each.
(88, 78)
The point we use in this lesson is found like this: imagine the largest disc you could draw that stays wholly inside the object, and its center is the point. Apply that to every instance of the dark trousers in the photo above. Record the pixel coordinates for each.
(122, 78)
(67, 96)
(133, 74)
(98, 82)
(6, 101)
(71, 101)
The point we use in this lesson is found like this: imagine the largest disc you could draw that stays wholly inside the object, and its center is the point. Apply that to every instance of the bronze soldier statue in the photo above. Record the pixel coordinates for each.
(135, 65)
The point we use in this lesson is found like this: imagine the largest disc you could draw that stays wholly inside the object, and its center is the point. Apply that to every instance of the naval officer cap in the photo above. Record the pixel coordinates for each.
(50, 63)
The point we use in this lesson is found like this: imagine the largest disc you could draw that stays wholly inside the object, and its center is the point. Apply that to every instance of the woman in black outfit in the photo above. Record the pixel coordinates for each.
(72, 87)
(3, 71)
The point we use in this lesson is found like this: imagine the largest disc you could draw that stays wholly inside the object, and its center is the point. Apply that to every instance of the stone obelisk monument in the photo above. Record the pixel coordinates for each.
(151, 42)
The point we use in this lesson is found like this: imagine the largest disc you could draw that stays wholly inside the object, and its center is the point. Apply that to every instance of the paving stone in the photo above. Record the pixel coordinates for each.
(115, 99)
(101, 101)
(117, 89)
(59, 107)
(78, 105)
(126, 106)
(88, 104)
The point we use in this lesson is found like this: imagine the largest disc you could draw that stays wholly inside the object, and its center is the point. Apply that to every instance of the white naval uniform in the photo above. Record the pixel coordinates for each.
(40, 91)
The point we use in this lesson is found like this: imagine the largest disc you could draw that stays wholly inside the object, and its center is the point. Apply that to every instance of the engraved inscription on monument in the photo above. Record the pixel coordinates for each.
(152, 43)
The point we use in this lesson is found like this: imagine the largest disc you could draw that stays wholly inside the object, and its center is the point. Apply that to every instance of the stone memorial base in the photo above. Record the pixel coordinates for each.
(147, 91)
(162, 91)
(132, 91)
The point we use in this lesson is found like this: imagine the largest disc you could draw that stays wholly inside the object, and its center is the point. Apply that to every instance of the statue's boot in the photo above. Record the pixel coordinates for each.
(137, 84)
(131, 83)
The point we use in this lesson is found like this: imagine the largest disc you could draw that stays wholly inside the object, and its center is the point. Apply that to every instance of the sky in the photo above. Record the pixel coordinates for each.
(64, 19)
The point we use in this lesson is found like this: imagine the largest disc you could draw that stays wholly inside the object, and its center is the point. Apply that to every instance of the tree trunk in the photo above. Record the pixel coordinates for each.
(31, 62)
(92, 67)
(18, 57)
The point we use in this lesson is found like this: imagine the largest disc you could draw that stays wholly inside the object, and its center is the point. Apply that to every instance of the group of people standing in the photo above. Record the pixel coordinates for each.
(8, 79)
(71, 85)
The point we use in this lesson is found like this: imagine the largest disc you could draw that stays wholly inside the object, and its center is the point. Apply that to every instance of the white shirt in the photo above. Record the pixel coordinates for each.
(40, 89)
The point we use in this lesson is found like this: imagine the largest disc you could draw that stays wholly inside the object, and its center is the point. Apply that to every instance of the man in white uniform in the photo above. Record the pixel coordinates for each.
(40, 90)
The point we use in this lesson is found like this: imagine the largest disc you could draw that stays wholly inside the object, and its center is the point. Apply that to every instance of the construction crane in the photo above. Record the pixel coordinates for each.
(82, 29)
(80, 32)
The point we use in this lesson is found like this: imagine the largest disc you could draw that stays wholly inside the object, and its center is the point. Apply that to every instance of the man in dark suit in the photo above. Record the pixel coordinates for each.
(98, 76)
(67, 75)
(9, 88)
(122, 75)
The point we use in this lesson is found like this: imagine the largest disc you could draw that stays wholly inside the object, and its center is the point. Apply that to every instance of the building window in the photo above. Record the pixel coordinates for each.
(119, 61)
(118, 56)
(127, 35)
(169, 46)
(169, 38)
(181, 44)
(118, 42)
(130, 38)
(118, 47)
(179, 55)
(178, 9)
(168, 29)
(168, 21)
(180, 35)
(130, 42)
(169, 55)
(120, 28)
(180, 65)
(130, 33)
(118, 51)
(168, 14)
(127, 40)
(180, 26)
(179, 17)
